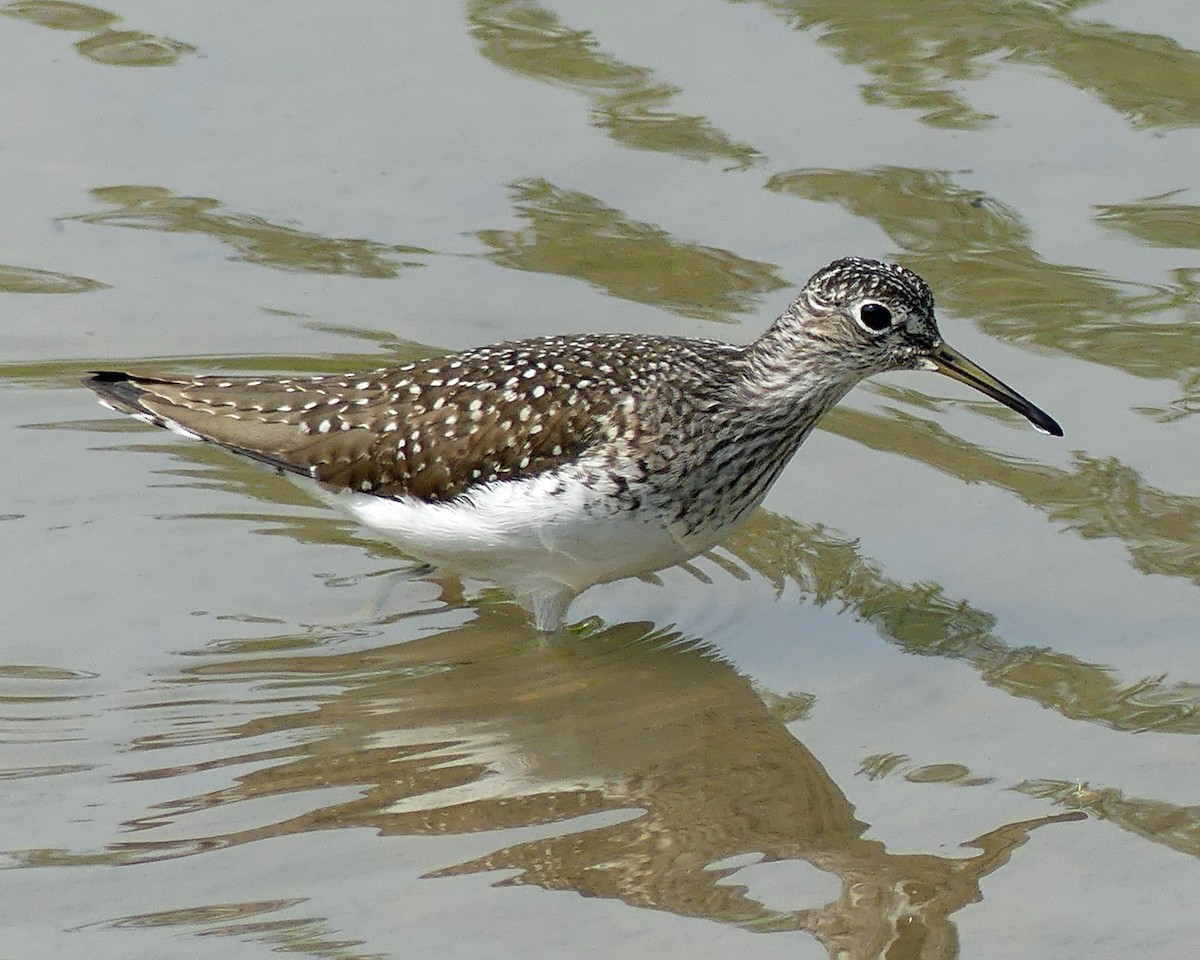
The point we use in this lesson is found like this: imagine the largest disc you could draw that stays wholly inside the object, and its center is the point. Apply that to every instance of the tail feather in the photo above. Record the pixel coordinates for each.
(119, 390)
(139, 396)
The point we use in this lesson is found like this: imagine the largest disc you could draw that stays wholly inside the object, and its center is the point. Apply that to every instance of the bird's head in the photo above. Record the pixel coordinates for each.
(875, 317)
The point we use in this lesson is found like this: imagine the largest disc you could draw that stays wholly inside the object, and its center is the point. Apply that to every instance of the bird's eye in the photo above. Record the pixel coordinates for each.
(874, 317)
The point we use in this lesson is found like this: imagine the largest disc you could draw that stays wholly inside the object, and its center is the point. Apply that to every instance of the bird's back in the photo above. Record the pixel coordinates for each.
(437, 428)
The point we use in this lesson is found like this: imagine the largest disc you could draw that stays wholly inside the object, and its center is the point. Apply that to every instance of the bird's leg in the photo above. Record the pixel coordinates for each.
(548, 605)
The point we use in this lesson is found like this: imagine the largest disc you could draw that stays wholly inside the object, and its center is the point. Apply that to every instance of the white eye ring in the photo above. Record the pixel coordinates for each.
(873, 316)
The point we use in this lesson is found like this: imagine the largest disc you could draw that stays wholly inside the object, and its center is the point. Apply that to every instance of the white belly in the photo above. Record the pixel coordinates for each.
(533, 536)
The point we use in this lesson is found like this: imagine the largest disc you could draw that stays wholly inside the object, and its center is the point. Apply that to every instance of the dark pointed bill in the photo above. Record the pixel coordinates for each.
(946, 360)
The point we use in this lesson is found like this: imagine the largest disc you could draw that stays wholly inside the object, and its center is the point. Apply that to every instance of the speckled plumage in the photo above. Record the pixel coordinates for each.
(553, 464)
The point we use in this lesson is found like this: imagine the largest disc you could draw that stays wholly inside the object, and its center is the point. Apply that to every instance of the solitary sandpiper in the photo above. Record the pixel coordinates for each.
(553, 464)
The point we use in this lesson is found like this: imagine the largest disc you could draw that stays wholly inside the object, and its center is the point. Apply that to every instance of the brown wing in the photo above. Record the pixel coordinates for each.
(431, 430)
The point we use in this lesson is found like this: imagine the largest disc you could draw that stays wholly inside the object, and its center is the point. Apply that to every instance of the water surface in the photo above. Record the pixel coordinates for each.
(936, 699)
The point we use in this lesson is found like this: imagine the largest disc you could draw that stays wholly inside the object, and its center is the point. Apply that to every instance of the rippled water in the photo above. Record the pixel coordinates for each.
(937, 699)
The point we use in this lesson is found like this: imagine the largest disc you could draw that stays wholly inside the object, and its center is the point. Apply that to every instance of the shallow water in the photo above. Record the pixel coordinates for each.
(937, 698)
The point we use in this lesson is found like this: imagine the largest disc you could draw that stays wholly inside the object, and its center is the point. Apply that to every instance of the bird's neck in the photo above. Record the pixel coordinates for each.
(790, 376)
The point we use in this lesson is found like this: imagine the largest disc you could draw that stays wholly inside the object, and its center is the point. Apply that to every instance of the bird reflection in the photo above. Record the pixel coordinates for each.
(482, 728)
